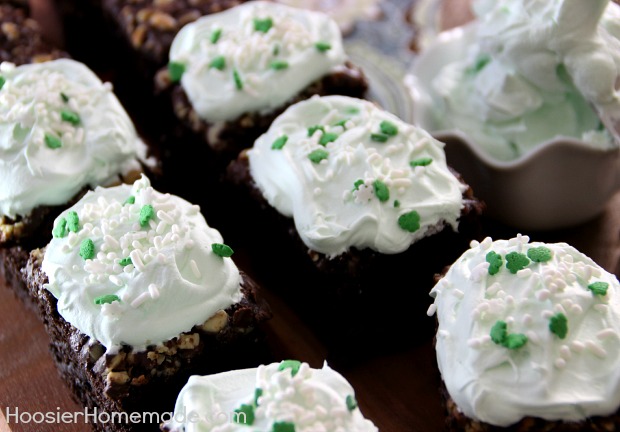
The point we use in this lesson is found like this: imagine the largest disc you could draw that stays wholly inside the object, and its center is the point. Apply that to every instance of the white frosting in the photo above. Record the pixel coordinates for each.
(291, 39)
(330, 215)
(533, 71)
(102, 145)
(312, 399)
(549, 377)
(174, 281)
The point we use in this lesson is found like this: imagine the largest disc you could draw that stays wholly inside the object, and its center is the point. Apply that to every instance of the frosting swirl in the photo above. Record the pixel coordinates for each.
(353, 175)
(61, 129)
(130, 265)
(528, 330)
(281, 396)
(253, 57)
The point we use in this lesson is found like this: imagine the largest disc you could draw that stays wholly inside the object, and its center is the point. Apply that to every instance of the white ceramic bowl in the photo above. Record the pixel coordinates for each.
(561, 183)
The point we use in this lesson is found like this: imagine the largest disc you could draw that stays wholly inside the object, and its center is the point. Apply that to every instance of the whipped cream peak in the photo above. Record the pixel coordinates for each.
(61, 129)
(253, 57)
(288, 395)
(353, 175)
(130, 265)
(528, 329)
(529, 71)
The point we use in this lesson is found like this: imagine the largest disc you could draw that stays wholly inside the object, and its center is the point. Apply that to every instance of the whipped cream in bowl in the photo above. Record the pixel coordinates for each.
(526, 98)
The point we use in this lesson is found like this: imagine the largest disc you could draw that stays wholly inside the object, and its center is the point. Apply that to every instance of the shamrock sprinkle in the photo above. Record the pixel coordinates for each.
(237, 79)
(598, 288)
(558, 324)
(516, 261)
(279, 143)
(351, 402)
(515, 340)
(70, 117)
(381, 190)
(64, 97)
(147, 212)
(341, 122)
(52, 141)
(283, 427)
(215, 36)
(357, 184)
(318, 155)
(495, 262)
(130, 200)
(539, 254)
(410, 221)
(379, 137)
(222, 250)
(263, 25)
(245, 415)
(327, 137)
(218, 63)
(87, 249)
(176, 71)
(276, 50)
(420, 162)
(499, 332)
(480, 63)
(396, 203)
(313, 129)
(257, 393)
(278, 65)
(2, 81)
(388, 128)
(125, 262)
(60, 230)
(109, 298)
(293, 365)
(73, 222)
(323, 46)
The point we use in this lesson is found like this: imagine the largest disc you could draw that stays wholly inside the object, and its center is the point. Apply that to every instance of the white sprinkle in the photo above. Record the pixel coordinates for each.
(175, 229)
(474, 343)
(510, 320)
(152, 224)
(533, 337)
(135, 227)
(546, 314)
(486, 243)
(165, 217)
(432, 309)
(601, 308)
(153, 291)
(604, 334)
(560, 363)
(136, 244)
(97, 232)
(116, 280)
(443, 333)
(139, 235)
(576, 309)
(136, 259)
(65, 248)
(474, 244)
(161, 227)
(174, 238)
(510, 300)
(140, 299)
(543, 295)
(479, 272)
(494, 288)
(72, 238)
(317, 191)
(458, 293)
(194, 267)
(524, 273)
(595, 349)
(75, 267)
(577, 346)
(527, 319)
(558, 308)
(189, 244)
(108, 239)
(157, 242)
(128, 269)
(161, 258)
(565, 352)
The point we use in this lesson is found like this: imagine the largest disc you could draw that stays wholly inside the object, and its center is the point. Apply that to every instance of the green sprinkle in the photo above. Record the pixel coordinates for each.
(558, 324)
(218, 63)
(215, 36)
(73, 222)
(357, 184)
(2, 81)
(293, 365)
(60, 230)
(87, 249)
(516, 261)
(481, 62)
(499, 332)
(109, 298)
(352, 110)
(388, 128)
(257, 393)
(244, 415)
(313, 129)
(599, 288)
(379, 137)
(351, 402)
(125, 262)
(130, 200)
(328, 137)
(420, 162)
(495, 262)
(323, 46)
(539, 254)
(318, 155)
(276, 49)
(52, 141)
(222, 250)
(341, 122)
(279, 143)
(237, 78)
(278, 65)
(70, 117)
(283, 427)
(381, 190)
(176, 71)
(396, 203)
(64, 97)
(410, 221)
(147, 212)
(263, 25)
(515, 340)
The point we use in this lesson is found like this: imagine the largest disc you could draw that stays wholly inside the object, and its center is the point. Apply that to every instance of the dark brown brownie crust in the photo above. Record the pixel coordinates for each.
(148, 381)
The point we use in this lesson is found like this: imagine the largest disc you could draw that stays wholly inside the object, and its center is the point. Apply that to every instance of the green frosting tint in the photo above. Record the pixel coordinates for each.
(245, 415)
(52, 141)
(323, 46)
(176, 71)
(381, 190)
(318, 155)
(539, 254)
(351, 402)
(222, 250)
(410, 221)
(283, 427)
(147, 212)
(87, 249)
(109, 298)
(293, 365)
(499, 335)
(558, 324)
(598, 288)
(495, 262)
(279, 143)
(263, 25)
(516, 261)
